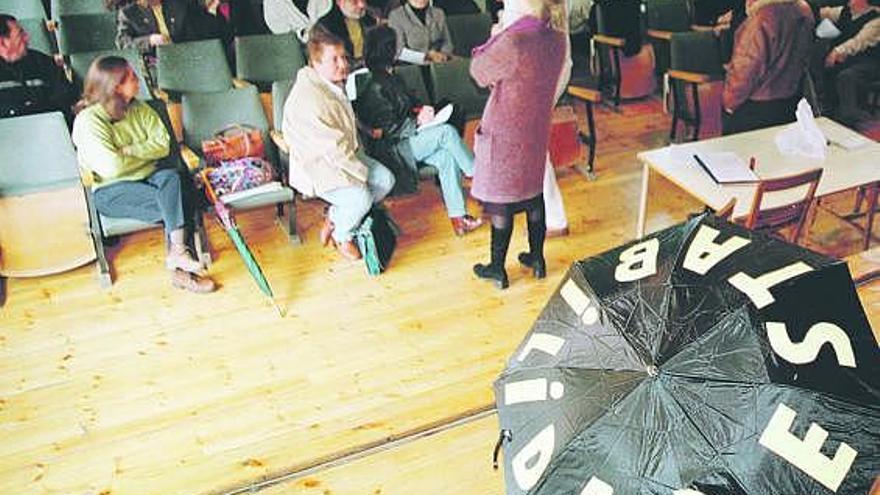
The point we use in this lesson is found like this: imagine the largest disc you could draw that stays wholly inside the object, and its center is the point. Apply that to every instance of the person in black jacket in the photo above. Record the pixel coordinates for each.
(388, 110)
(30, 82)
(349, 20)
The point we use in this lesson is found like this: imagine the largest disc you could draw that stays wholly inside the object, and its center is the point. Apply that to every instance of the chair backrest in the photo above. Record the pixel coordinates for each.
(206, 113)
(667, 15)
(695, 51)
(618, 18)
(468, 31)
(38, 154)
(265, 58)
(40, 39)
(86, 32)
(194, 66)
(80, 63)
(411, 75)
(452, 82)
(280, 91)
(24, 9)
(791, 213)
(75, 7)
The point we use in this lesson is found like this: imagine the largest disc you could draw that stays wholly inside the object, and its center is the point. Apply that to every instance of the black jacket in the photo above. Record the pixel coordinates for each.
(385, 104)
(34, 84)
(334, 21)
(135, 24)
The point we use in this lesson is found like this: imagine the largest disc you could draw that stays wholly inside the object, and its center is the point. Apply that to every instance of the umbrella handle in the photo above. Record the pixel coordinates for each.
(502, 436)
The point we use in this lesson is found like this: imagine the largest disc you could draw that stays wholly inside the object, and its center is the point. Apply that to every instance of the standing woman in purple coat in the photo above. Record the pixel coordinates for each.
(510, 146)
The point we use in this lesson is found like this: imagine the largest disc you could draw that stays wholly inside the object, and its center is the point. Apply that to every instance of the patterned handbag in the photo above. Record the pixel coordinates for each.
(232, 176)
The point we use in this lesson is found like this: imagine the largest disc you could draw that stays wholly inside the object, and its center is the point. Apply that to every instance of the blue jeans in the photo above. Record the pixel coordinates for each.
(159, 197)
(350, 204)
(442, 148)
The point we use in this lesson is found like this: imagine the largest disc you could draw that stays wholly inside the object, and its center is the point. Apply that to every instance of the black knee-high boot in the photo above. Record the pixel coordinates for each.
(500, 241)
(534, 259)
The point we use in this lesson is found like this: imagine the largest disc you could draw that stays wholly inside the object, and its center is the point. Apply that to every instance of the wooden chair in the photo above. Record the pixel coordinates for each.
(726, 211)
(866, 195)
(792, 214)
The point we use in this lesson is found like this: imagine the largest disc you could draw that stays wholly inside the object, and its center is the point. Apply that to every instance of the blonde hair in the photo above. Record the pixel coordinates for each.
(102, 79)
(553, 10)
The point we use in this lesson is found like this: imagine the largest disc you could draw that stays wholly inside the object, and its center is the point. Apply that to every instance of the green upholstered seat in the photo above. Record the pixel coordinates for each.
(468, 31)
(194, 66)
(76, 7)
(264, 58)
(40, 38)
(452, 82)
(86, 32)
(38, 154)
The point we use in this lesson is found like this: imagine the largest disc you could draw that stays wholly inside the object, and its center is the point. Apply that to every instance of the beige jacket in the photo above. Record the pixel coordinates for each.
(320, 127)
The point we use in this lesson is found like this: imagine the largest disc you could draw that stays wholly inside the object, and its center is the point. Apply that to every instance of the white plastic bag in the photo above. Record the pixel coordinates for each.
(802, 138)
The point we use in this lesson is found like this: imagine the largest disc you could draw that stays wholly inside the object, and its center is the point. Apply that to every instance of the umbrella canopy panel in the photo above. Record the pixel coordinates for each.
(705, 358)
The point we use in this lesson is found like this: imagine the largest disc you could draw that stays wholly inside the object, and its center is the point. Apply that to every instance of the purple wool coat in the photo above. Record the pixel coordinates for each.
(521, 65)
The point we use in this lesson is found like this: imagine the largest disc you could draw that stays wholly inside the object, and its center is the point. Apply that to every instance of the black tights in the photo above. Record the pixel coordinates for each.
(502, 228)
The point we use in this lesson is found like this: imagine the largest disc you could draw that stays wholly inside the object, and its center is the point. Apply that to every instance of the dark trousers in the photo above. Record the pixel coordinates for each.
(158, 198)
(851, 83)
(759, 114)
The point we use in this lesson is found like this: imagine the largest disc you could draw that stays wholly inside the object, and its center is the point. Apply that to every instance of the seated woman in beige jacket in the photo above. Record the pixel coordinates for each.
(326, 159)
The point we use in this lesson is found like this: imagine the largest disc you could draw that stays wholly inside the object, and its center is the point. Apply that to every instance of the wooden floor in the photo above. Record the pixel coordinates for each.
(144, 389)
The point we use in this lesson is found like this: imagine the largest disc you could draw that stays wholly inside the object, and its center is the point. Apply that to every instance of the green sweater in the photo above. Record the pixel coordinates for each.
(126, 150)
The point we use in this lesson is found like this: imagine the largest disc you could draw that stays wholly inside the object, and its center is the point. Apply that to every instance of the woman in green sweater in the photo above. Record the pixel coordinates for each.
(124, 144)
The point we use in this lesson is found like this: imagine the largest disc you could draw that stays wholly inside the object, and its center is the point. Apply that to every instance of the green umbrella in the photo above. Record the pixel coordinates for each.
(225, 215)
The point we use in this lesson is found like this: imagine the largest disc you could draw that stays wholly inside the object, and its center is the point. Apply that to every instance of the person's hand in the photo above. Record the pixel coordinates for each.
(497, 27)
(834, 57)
(211, 6)
(426, 114)
(376, 133)
(434, 56)
(157, 39)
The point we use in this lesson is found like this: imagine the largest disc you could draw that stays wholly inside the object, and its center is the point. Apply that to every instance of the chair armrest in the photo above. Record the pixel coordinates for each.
(586, 94)
(190, 158)
(609, 40)
(279, 141)
(691, 77)
(240, 83)
(51, 25)
(88, 180)
(703, 28)
(659, 34)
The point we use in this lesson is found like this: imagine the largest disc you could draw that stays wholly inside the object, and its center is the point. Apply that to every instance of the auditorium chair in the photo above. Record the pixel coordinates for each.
(79, 64)
(662, 18)
(468, 31)
(695, 65)
(40, 38)
(625, 66)
(77, 7)
(43, 214)
(86, 32)
(24, 9)
(193, 66)
(451, 81)
(206, 113)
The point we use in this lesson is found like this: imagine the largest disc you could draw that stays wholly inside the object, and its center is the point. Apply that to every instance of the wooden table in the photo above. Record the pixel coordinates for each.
(842, 169)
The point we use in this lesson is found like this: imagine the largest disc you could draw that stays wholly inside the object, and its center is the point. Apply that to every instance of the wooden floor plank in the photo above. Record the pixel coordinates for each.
(144, 389)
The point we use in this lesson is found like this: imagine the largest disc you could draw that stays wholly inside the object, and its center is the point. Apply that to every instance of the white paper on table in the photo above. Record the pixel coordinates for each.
(411, 56)
(440, 117)
(725, 167)
(803, 138)
(845, 137)
(827, 30)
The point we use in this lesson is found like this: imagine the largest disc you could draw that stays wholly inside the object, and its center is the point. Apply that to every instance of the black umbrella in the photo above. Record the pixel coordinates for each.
(704, 359)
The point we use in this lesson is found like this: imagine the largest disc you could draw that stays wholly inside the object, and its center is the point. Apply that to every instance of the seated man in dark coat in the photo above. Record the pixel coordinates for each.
(30, 82)
(349, 20)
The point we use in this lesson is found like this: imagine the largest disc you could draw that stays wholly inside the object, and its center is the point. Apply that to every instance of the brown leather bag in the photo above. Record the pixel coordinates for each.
(233, 142)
